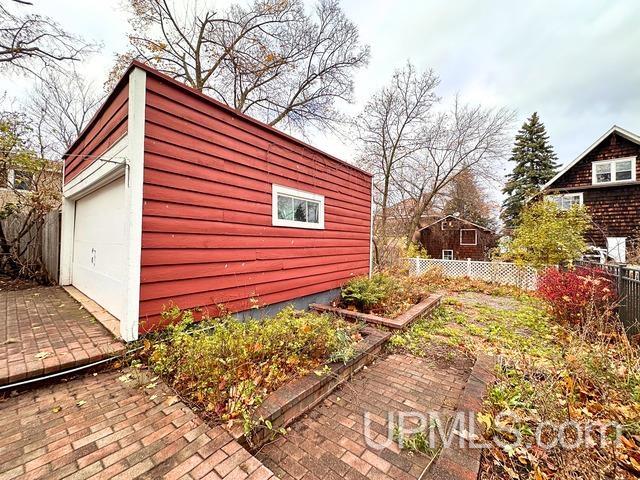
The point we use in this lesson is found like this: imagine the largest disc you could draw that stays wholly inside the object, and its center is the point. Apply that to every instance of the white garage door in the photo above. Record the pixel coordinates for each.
(99, 247)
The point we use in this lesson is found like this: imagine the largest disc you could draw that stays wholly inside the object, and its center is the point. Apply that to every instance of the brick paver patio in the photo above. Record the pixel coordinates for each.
(44, 330)
(329, 442)
(101, 426)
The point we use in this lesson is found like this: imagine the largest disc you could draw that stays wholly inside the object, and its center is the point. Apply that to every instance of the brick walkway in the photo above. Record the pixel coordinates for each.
(329, 442)
(47, 322)
(103, 427)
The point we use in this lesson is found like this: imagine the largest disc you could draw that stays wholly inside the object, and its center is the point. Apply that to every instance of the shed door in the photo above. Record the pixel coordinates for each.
(99, 247)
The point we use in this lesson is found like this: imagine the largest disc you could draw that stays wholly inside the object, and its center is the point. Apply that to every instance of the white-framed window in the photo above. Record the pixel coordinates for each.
(447, 254)
(468, 236)
(18, 179)
(612, 171)
(296, 208)
(566, 200)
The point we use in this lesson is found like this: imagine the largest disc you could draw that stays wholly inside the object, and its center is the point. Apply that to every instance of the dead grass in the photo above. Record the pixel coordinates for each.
(547, 374)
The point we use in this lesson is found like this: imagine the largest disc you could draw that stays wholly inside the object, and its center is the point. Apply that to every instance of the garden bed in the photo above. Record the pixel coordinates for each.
(298, 396)
(416, 311)
(225, 368)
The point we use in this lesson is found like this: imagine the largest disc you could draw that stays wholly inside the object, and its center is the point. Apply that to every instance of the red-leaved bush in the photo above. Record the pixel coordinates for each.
(578, 295)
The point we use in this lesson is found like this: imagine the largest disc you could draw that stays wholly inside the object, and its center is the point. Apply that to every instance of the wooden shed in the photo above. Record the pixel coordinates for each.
(173, 198)
(454, 238)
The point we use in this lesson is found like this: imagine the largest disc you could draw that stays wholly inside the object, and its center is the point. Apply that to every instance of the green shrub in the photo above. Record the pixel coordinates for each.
(366, 293)
(416, 250)
(226, 366)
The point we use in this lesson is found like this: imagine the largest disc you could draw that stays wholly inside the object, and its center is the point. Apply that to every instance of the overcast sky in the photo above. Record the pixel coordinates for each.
(575, 62)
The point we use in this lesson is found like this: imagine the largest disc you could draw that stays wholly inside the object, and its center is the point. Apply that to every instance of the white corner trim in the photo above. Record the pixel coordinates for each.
(135, 180)
(469, 230)
(302, 195)
(371, 218)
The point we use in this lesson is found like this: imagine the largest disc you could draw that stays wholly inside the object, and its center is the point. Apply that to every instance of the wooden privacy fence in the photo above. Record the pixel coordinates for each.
(503, 273)
(628, 285)
(38, 245)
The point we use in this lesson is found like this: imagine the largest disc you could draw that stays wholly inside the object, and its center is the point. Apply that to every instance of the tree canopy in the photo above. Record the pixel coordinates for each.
(272, 59)
(535, 165)
(547, 235)
(31, 43)
(466, 197)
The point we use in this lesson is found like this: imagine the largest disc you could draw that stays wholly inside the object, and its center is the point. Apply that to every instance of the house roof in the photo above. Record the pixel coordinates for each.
(212, 101)
(632, 137)
(457, 218)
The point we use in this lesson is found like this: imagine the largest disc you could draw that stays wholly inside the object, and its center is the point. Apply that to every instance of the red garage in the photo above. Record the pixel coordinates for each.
(171, 197)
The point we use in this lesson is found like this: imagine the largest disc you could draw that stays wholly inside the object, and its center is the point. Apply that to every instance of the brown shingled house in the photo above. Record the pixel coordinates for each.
(604, 178)
(454, 238)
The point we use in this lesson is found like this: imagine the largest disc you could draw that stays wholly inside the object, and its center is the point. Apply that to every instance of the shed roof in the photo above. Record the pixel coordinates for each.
(212, 101)
(457, 218)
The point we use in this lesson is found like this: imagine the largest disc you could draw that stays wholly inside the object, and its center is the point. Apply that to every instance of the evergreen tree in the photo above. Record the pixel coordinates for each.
(535, 165)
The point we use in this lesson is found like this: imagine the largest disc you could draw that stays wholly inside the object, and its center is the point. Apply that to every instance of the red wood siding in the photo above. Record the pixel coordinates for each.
(435, 238)
(105, 129)
(207, 237)
(614, 208)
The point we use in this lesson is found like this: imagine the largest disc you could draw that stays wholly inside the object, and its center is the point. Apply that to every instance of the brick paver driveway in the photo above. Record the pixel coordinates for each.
(44, 330)
(329, 442)
(112, 426)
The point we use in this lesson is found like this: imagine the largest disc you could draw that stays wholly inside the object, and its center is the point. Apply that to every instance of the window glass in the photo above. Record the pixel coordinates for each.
(285, 207)
(300, 210)
(22, 180)
(603, 172)
(623, 170)
(467, 237)
(312, 212)
(566, 201)
(447, 254)
(297, 209)
(569, 201)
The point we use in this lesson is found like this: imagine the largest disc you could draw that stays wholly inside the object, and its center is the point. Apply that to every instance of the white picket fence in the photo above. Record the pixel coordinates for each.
(503, 273)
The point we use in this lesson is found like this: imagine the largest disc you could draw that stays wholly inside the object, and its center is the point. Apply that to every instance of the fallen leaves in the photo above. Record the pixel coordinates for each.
(42, 355)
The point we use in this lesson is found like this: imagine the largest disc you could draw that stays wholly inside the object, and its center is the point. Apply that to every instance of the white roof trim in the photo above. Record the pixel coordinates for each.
(632, 137)
(457, 218)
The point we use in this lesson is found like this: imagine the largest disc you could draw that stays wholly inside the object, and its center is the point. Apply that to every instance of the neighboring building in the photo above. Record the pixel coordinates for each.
(172, 198)
(454, 238)
(15, 181)
(604, 179)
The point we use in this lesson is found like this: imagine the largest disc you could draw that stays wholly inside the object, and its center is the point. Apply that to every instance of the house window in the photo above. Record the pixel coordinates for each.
(296, 208)
(446, 224)
(566, 201)
(612, 171)
(18, 179)
(22, 180)
(468, 236)
(447, 254)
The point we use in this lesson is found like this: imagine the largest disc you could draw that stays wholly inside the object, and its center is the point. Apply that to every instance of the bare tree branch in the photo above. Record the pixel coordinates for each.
(415, 153)
(271, 60)
(31, 43)
(59, 107)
